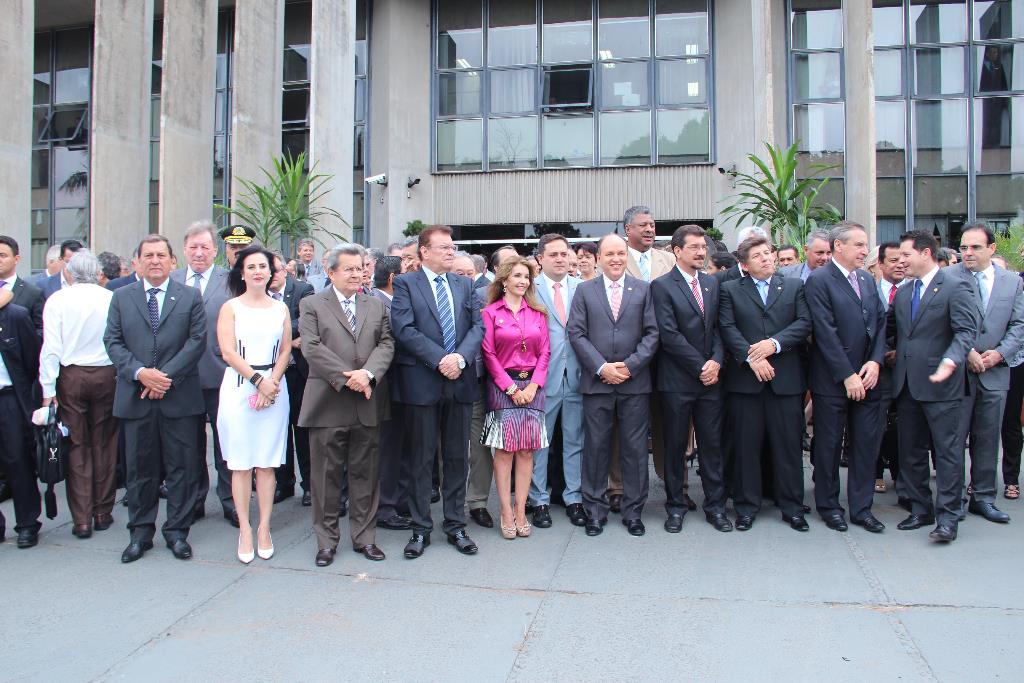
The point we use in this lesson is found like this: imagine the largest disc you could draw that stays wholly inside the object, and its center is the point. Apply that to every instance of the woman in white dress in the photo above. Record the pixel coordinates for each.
(255, 337)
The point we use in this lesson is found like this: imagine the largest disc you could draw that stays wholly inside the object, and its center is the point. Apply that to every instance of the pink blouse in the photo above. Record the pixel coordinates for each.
(503, 347)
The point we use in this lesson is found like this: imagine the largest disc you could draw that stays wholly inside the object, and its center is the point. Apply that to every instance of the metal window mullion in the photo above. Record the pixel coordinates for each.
(652, 79)
(910, 129)
(709, 75)
(485, 85)
(595, 22)
(972, 209)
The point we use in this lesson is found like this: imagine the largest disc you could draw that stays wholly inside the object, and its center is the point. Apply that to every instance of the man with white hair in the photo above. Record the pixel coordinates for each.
(54, 264)
(817, 253)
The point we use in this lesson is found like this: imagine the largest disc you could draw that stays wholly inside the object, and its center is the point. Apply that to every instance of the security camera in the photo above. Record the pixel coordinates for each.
(379, 179)
(729, 170)
(412, 182)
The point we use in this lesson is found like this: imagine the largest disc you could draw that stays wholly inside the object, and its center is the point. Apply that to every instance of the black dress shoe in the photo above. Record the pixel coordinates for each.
(180, 549)
(635, 527)
(674, 524)
(482, 517)
(135, 550)
(744, 522)
(162, 490)
(943, 533)
(542, 517)
(231, 515)
(805, 508)
(988, 511)
(835, 522)
(435, 495)
(905, 504)
(915, 522)
(283, 494)
(615, 502)
(414, 548)
(690, 505)
(594, 527)
(870, 523)
(102, 522)
(371, 552)
(324, 557)
(343, 508)
(798, 522)
(395, 523)
(307, 499)
(463, 543)
(719, 521)
(576, 514)
(27, 538)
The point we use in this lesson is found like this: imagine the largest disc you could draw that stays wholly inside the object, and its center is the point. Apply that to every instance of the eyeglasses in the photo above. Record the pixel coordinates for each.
(443, 247)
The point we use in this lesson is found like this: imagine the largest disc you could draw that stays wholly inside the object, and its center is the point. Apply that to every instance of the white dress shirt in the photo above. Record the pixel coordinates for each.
(146, 286)
(75, 319)
(563, 291)
(204, 279)
(433, 288)
(11, 281)
(887, 288)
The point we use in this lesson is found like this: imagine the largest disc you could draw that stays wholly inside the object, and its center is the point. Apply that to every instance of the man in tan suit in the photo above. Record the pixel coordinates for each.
(346, 339)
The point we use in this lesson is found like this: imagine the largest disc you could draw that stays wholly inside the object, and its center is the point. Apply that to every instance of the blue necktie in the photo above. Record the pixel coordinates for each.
(916, 300)
(444, 309)
(154, 310)
(762, 289)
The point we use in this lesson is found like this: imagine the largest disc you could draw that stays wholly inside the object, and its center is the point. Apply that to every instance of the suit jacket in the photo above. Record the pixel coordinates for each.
(481, 281)
(294, 292)
(661, 263)
(19, 348)
(51, 285)
(563, 362)
(31, 298)
(733, 273)
(743, 320)
(118, 283)
(39, 279)
(211, 365)
(792, 270)
(848, 330)
(331, 348)
(176, 349)
(1002, 323)
(946, 326)
(599, 339)
(420, 342)
(688, 339)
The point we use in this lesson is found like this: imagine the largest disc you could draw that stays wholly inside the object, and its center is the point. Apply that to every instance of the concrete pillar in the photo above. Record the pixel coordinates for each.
(859, 72)
(120, 124)
(332, 92)
(17, 36)
(256, 94)
(186, 115)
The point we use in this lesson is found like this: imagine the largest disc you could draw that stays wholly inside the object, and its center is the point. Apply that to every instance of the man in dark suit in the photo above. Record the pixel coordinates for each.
(613, 330)
(1001, 312)
(438, 330)
(893, 271)
(131, 278)
(764, 323)
(156, 336)
(934, 321)
(846, 358)
(57, 282)
(689, 360)
(25, 294)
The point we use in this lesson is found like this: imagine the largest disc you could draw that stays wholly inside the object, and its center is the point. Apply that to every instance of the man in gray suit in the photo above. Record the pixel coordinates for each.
(817, 253)
(614, 332)
(556, 289)
(212, 282)
(1001, 310)
(156, 335)
(934, 322)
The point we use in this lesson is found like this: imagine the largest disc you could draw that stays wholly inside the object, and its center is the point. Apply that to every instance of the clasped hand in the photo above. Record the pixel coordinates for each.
(615, 373)
(761, 350)
(155, 383)
(359, 381)
(449, 366)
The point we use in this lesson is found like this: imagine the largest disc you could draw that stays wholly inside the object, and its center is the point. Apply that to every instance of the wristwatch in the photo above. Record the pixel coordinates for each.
(462, 362)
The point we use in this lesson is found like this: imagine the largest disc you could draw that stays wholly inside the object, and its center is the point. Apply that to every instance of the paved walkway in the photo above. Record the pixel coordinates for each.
(769, 604)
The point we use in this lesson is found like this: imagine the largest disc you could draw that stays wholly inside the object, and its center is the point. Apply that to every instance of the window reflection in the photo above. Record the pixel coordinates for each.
(513, 91)
(683, 136)
(938, 21)
(998, 19)
(624, 84)
(72, 66)
(995, 69)
(460, 36)
(940, 136)
(939, 71)
(887, 22)
(817, 24)
(459, 145)
(626, 138)
(817, 75)
(624, 30)
(458, 94)
(888, 73)
(512, 32)
(890, 138)
(821, 136)
(682, 81)
(512, 143)
(568, 141)
(568, 32)
(681, 27)
(998, 146)
(70, 177)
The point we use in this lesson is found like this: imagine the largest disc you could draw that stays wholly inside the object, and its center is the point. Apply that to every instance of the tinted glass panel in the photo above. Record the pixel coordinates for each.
(41, 77)
(40, 179)
(458, 94)
(624, 84)
(70, 177)
(294, 143)
(939, 71)
(294, 106)
(220, 162)
(995, 68)
(820, 132)
(568, 141)
(890, 138)
(682, 81)
(568, 87)
(1001, 195)
(998, 19)
(999, 134)
(887, 22)
(817, 24)
(683, 136)
(681, 27)
(512, 34)
(892, 201)
(939, 196)
(513, 91)
(940, 136)
(937, 21)
(459, 38)
(512, 143)
(360, 108)
(624, 29)
(817, 76)
(459, 145)
(71, 224)
(296, 63)
(626, 138)
(568, 32)
(888, 73)
(72, 67)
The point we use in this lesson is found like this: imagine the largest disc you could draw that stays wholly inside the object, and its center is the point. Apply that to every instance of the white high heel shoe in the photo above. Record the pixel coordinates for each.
(244, 558)
(266, 553)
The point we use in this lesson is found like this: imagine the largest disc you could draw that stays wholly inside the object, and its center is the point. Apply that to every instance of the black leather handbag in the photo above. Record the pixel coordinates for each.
(51, 458)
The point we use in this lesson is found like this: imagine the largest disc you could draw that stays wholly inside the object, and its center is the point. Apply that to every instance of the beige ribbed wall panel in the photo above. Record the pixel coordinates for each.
(577, 195)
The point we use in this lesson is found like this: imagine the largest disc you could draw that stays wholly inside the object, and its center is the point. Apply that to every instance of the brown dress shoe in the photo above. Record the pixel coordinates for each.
(103, 522)
(81, 531)
(615, 502)
(324, 557)
(371, 552)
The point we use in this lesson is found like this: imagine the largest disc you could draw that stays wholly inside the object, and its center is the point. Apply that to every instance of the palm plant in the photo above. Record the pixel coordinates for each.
(1009, 245)
(775, 197)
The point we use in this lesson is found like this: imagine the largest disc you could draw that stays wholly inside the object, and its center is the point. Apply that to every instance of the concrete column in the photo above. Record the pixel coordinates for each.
(17, 37)
(859, 72)
(256, 94)
(186, 115)
(332, 91)
(120, 124)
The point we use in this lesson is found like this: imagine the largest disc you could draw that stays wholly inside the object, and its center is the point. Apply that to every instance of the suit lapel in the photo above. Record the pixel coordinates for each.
(687, 292)
(627, 295)
(748, 286)
(844, 284)
(934, 287)
(704, 281)
(427, 290)
(362, 302)
(332, 303)
(997, 288)
(775, 286)
(174, 291)
(458, 298)
(141, 300)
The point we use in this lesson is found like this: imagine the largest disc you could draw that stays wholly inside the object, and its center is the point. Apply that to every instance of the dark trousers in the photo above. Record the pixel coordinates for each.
(781, 420)
(1013, 437)
(448, 420)
(153, 443)
(297, 445)
(981, 417)
(16, 455)
(358, 448)
(889, 446)
(394, 465)
(602, 414)
(705, 409)
(211, 399)
(862, 421)
(940, 420)
(86, 399)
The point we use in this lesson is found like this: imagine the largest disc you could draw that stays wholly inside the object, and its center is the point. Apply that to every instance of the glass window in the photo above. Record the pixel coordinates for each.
(41, 230)
(682, 81)
(298, 17)
(513, 91)
(158, 62)
(67, 124)
(154, 117)
(72, 67)
(460, 34)
(683, 136)
(568, 141)
(40, 179)
(294, 143)
(998, 144)
(833, 194)
(892, 200)
(40, 117)
(939, 196)
(624, 29)
(294, 106)
(998, 19)
(938, 21)
(512, 143)
(888, 73)
(938, 71)
(568, 31)
(512, 32)
(821, 135)
(940, 136)
(817, 24)
(891, 138)
(70, 177)
(568, 87)
(360, 50)
(624, 84)
(458, 94)
(1001, 195)
(681, 27)
(887, 22)
(459, 145)
(359, 151)
(360, 108)
(625, 138)
(220, 115)
(817, 76)
(995, 68)
(296, 63)
(154, 160)
(71, 224)
(41, 77)
(220, 162)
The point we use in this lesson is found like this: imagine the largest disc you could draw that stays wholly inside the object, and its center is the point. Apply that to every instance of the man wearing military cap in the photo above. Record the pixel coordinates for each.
(236, 238)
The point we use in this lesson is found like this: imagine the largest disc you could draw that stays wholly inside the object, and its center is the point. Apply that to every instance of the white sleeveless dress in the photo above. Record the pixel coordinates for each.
(248, 437)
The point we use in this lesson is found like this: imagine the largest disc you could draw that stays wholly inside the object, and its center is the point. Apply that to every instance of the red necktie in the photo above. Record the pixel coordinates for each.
(559, 304)
(892, 294)
(696, 294)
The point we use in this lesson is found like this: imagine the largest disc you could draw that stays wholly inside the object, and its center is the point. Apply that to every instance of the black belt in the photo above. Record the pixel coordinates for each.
(262, 367)
(519, 374)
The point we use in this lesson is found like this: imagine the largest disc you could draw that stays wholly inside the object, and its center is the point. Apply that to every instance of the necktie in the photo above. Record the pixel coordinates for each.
(154, 310)
(854, 283)
(616, 301)
(645, 270)
(983, 289)
(916, 300)
(695, 288)
(444, 310)
(278, 296)
(762, 289)
(350, 314)
(892, 294)
(3, 283)
(197, 281)
(559, 304)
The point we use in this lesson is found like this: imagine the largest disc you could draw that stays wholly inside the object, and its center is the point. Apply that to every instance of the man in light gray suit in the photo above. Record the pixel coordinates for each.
(817, 253)
(998, 294)
(556, 289)
(614, 332)
(212, 282)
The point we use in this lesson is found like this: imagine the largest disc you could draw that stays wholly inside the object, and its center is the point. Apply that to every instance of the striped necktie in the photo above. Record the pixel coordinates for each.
(444, 310)
(350, 314)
